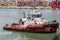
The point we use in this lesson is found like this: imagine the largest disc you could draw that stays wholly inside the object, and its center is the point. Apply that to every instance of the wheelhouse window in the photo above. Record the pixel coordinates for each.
(39, 15)
(36, 15)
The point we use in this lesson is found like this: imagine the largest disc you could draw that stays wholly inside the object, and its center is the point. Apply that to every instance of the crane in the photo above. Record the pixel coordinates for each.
(55, 3)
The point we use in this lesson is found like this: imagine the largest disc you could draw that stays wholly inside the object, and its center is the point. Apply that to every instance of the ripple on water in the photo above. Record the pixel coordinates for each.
(5, 33)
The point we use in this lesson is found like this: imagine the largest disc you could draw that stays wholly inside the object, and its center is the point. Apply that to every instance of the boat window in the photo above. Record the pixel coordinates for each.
(28, 17)
(13, 24)
(34, 15)
(39, 15)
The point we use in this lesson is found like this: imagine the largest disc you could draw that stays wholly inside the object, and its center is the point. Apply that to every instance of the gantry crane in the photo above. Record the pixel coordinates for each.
(55, 3)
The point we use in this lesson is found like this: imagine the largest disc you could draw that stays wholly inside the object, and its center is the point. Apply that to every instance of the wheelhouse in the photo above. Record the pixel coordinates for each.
(35, 14)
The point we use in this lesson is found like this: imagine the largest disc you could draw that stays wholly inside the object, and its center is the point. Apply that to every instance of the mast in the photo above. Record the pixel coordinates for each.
(33, 7)
(33, 4)
(24, 14)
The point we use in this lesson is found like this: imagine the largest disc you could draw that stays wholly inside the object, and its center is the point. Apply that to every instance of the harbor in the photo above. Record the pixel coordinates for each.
(12, 10)
(7, 17)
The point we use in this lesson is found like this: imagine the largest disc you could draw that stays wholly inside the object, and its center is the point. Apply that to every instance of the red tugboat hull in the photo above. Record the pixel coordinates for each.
(37, 28)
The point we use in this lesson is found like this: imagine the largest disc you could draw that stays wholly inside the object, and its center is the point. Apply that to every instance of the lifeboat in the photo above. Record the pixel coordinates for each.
(34, 23)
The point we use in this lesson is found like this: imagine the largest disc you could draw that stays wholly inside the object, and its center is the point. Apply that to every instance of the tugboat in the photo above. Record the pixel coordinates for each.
(34, 23)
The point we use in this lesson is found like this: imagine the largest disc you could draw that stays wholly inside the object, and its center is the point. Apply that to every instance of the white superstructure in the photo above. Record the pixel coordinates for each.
(34, 17)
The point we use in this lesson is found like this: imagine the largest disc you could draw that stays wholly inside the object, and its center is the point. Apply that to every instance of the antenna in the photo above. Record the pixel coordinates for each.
(34, 4)
(24, 14)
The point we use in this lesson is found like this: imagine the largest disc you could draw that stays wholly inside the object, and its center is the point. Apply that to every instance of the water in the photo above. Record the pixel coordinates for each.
(12, 15)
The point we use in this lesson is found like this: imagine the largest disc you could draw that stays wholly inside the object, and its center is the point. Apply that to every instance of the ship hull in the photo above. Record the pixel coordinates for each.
(45, 28)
